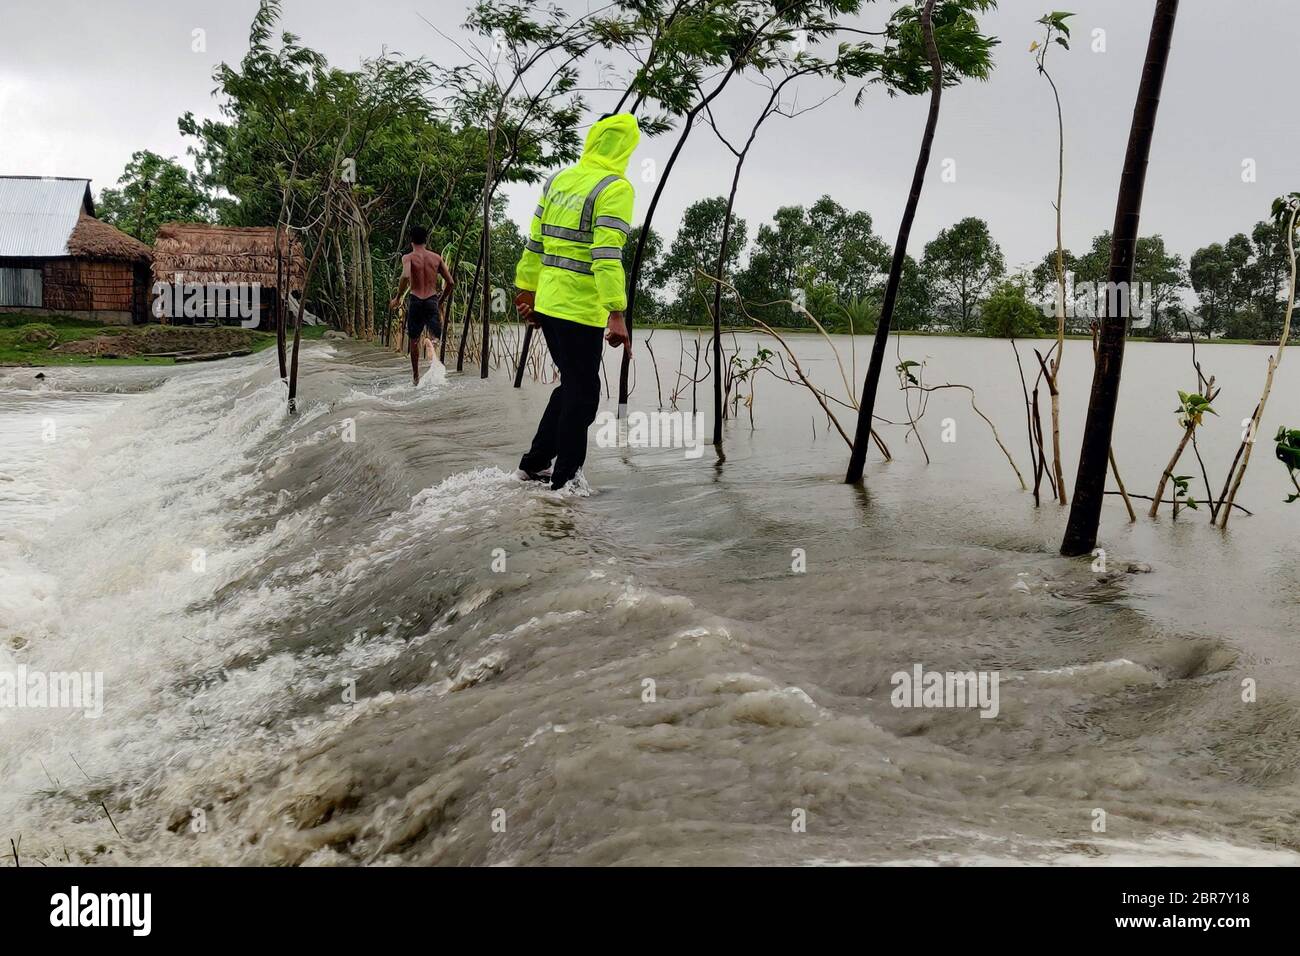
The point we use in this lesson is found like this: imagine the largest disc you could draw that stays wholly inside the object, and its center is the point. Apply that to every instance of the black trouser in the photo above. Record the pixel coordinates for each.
(562, 435)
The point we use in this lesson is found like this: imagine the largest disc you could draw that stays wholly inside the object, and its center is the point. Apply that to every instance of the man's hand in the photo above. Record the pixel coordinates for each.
(616, 335)
(525, 301)
(392, 305)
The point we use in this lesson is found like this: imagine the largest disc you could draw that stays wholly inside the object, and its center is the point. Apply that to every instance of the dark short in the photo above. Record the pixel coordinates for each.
(422, 314)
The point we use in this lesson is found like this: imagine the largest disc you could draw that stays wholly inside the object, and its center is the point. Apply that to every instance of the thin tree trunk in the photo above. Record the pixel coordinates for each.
(1040, 463)
(1052, 384)
(354, 255)
(1090, 482)
(469, 308)
(281, 306)
(634, 277)
(282, 288)
(717, 303)
(342, 295)
(1169, 471)
(451, 311)
(1132, 515)
(368, 266)
(867, 407)
(302, 307)
(487, 265)
(1273, 362)
(1029, 415)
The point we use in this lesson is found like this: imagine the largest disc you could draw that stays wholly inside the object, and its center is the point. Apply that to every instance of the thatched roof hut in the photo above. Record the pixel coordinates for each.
(57, 258)
(92, 239)
(224, 255)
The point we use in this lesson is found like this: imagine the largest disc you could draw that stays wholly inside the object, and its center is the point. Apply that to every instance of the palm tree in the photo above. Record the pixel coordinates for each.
(1090, 483)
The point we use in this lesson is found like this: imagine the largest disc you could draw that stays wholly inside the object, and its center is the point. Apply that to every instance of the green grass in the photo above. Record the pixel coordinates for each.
(26, 340)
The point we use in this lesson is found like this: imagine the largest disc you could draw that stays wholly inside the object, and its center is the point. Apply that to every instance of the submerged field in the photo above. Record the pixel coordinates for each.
(387, 650)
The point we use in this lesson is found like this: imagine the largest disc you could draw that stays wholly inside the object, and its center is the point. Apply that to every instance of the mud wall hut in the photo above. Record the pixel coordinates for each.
(244, 264)
(57, 258)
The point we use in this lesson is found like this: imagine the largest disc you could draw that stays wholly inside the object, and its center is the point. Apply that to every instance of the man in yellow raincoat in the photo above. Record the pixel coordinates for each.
(572, 286)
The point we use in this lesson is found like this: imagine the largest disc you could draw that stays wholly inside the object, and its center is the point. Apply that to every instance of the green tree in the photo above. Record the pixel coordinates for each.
(1159, 275)
(652, 303)
(1211, 275)
(1163, 276)
(961, 264)
(855, 316)
(153, 190)
(825, 245)
(914, 307)
(1266, 276)
(1042, 286)
(695, 248)
(1008, 313)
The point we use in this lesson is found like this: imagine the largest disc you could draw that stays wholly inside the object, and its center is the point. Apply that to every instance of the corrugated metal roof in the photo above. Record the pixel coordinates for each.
(37, 214)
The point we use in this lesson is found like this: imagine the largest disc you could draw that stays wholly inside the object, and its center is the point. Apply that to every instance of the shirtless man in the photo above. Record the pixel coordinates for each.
(422, 273)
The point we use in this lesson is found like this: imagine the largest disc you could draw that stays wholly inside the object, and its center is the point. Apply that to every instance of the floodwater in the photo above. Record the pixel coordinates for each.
(352, 636)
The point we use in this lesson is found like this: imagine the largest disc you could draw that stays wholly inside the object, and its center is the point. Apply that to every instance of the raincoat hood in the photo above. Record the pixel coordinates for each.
(611, 142)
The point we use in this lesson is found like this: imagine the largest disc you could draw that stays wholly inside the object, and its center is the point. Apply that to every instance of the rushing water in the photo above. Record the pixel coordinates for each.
(351, 636)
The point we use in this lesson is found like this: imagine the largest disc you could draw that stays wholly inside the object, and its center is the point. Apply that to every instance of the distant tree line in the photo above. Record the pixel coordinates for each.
(293, 128)
(830, 260)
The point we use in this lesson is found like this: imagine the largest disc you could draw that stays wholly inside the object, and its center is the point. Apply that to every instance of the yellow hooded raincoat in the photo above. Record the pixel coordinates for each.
(573, 258)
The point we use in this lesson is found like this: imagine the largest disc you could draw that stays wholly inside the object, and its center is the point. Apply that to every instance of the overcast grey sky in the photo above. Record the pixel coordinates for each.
(84, 83)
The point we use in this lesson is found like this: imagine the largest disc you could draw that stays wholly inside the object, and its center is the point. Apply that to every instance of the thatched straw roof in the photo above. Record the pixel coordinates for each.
(92, 239)
(225, 254)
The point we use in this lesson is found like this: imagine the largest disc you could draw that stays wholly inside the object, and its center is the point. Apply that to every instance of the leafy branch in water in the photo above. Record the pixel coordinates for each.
(1191, 411)
(1191, 408)
(1181, 487)
(739, 372)
(904, 370)
(1288, 452)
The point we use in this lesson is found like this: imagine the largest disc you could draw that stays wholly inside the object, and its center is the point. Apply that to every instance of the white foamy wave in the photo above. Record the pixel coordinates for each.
(1099, 677)
(400, 392)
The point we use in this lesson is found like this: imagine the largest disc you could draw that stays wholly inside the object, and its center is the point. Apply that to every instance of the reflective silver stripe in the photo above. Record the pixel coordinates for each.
(532, 245)
(539, 212)
(573, 265)
(606, 252)
(589, 207)
(560, 232)
(613, 222)
(546, 187)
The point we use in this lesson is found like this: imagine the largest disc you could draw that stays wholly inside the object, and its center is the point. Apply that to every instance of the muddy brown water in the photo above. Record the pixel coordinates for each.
(352, 637)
